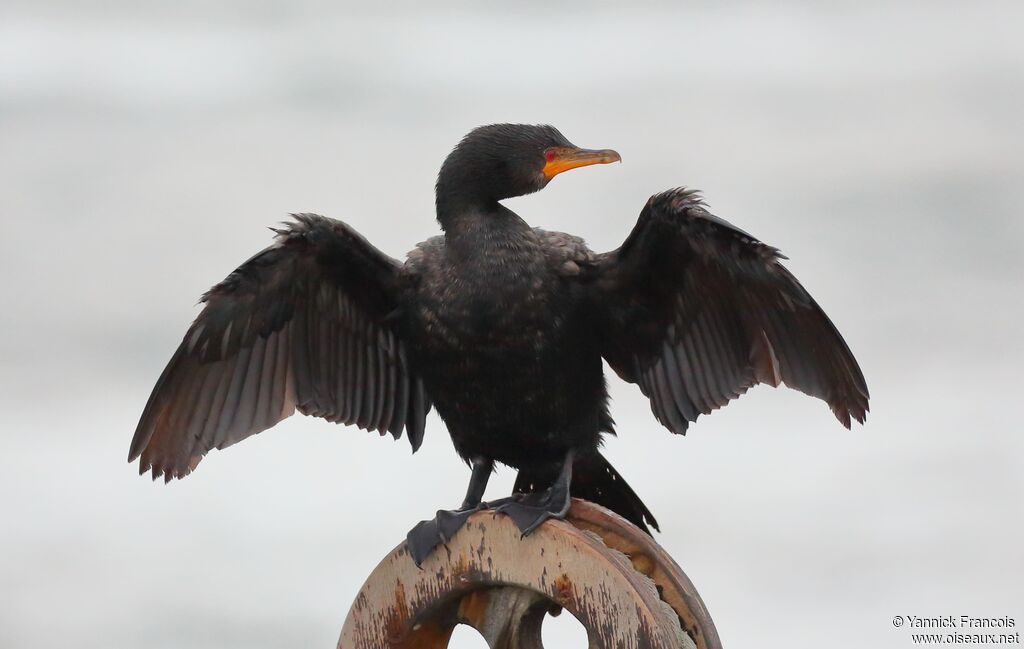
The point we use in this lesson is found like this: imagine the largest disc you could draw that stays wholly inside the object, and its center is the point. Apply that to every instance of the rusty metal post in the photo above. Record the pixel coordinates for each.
(621, 585)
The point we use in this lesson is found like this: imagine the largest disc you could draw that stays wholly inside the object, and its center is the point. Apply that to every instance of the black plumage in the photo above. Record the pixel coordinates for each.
(502, 328)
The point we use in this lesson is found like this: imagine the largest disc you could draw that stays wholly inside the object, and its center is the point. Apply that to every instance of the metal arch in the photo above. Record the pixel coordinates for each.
(623, 588)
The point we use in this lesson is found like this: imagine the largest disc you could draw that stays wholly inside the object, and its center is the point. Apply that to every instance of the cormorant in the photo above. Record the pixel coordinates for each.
(502, 328)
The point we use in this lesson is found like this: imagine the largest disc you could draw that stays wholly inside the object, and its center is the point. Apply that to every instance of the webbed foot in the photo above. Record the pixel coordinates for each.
(427, 535)
(528, 511)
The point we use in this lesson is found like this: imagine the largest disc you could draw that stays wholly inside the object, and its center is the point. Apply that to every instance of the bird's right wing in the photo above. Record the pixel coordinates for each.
(696, 311)
(301, 325)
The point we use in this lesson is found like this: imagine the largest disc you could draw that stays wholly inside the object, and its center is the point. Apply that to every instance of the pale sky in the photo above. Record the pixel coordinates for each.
(145, 147)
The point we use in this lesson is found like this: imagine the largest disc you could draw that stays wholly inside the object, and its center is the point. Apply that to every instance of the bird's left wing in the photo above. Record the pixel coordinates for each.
(696, 311)
(304, 325)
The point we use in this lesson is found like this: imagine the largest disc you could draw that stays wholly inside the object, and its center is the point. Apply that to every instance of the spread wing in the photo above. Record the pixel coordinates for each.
(696, 311)
(301, 325)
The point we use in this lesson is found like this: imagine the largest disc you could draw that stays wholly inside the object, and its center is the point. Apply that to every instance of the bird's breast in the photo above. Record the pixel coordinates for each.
(501, 295)
(503, 346)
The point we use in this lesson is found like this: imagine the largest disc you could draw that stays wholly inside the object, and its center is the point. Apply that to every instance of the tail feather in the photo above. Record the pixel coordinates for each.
(594, 479)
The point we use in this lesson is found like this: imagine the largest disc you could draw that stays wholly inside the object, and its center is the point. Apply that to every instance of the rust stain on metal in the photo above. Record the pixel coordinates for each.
(428, 635)
(563, 590)
(473, 607)
(398, 614)
(642, 563)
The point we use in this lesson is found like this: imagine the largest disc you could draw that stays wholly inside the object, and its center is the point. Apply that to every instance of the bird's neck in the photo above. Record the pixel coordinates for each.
(460, 201)
(476, 229)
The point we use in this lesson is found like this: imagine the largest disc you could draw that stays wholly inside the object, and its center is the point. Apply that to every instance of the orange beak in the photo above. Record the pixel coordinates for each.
(561, 159)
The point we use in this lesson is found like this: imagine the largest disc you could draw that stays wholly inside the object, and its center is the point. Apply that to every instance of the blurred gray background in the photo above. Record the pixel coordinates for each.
(145, 145)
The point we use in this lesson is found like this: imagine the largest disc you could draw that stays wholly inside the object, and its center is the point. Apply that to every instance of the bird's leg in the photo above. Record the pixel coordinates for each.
(427, 535)
(529, 511)
(482, 468)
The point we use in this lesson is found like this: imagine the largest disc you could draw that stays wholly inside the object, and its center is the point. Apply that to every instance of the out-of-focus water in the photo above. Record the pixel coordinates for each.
(144, 146)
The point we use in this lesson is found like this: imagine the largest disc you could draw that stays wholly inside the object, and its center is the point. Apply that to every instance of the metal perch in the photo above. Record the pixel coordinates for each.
(621, 585)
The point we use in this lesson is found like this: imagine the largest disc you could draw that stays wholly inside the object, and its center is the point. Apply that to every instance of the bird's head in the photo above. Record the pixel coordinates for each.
(500, 161)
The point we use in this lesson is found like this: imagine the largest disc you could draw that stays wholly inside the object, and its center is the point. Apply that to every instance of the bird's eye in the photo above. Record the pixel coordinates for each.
(549, 155)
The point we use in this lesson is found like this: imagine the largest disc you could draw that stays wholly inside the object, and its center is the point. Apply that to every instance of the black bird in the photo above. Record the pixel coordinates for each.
(502, 328)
